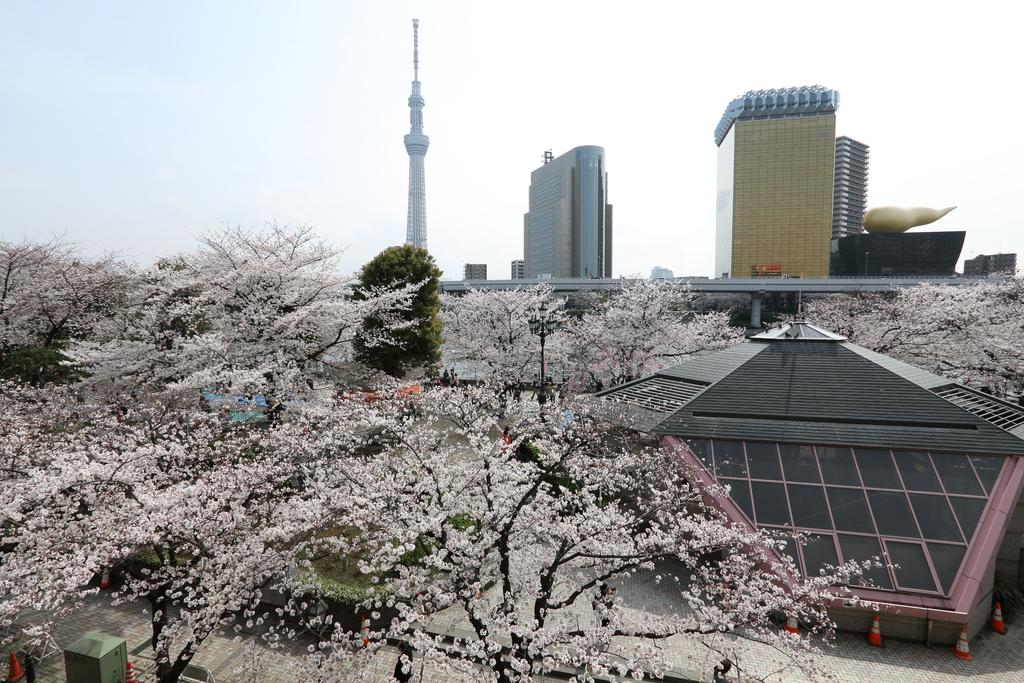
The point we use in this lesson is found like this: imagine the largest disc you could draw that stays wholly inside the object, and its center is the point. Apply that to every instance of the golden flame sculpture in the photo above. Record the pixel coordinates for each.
(901, 218)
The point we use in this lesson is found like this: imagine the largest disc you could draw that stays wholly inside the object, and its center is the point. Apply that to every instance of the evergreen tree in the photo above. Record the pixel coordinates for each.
(417, 344)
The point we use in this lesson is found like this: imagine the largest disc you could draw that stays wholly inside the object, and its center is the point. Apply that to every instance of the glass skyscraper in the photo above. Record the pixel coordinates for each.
(567, 232)
(776, 165)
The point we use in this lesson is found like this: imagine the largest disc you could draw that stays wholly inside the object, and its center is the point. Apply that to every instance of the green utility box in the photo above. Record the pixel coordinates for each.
(96, 658)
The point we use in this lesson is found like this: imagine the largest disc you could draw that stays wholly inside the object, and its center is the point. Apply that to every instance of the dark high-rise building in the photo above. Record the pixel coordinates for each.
(776, 160)
(986, 264)
(849, 198)
(518, 269)
(475, 271)
(568, 230)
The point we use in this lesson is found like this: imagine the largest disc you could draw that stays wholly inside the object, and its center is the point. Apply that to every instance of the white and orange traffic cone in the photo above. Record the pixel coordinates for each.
(875, 635)
(364, 630)
(105, 579)
(129, 676)
(791, 625)
(997, 624)
(14, 672)
(962, 650)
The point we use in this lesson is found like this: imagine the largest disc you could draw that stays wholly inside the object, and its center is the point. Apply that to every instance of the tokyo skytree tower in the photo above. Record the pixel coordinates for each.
(416, 144)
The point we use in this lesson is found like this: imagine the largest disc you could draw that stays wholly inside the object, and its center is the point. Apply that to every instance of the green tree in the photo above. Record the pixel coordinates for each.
(419, 343)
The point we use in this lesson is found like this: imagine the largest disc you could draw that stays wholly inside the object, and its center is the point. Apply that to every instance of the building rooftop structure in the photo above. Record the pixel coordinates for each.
(867, 455)
(808, 100)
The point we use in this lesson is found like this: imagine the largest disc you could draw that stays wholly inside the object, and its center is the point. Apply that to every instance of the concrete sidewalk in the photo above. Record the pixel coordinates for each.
(997, 658)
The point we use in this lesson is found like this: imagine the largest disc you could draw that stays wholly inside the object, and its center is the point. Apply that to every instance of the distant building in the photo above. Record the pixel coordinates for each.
(567, 232)
(898, 253)
(850, 193)
(475, 271)
(518, 269)
(986, 264)
(776, 163)
(659, 273)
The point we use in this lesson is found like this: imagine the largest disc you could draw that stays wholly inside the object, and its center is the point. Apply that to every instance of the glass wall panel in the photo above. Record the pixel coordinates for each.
(988, 468)
(763, 461)
(892, 514)
(770, 503)
(968, 513)
(876, 468)
(739, 491)
(947, 559)
(818, 552)
(850, 510)
(957, 474)
(798, 463)
(790, 552)
(837, 465)
(808, 505)
(912, 571)
(917, 471)
(729, 460)
(871, 498)
(935, 517)
(862, 549)
(700, 449)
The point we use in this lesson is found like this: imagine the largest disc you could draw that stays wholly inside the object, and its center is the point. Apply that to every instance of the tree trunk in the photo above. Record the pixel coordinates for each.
(166, 671)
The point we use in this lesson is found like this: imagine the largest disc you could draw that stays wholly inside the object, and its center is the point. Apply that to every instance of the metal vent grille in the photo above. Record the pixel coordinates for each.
(658, 393)
(992, 410)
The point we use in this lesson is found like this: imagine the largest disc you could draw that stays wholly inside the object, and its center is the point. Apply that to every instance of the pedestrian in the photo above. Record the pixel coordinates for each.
(518, 392)
(455, 379)
(446, 379)
(403, 667)
(30, 668)
(506, 437)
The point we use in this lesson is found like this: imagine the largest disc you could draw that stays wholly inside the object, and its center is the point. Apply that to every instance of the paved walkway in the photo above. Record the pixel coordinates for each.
(232, 660)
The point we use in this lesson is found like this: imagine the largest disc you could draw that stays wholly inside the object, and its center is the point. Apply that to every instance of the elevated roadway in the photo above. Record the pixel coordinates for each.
(755, 287)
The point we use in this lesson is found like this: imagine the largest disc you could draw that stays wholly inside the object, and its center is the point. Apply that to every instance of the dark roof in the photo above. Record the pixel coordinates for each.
(711, 367)
(824, 391)
(918, 376)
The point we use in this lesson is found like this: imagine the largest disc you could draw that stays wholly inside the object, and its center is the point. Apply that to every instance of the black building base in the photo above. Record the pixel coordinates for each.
(904, 253)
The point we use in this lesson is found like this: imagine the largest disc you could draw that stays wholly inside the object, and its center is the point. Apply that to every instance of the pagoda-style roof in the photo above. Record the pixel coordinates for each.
(868, 455)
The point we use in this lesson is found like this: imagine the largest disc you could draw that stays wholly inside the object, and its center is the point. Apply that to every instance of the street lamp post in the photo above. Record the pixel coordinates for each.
(866, 255)
(542, 324)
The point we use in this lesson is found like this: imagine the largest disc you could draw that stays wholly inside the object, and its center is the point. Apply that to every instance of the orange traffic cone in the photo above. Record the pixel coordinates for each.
(875, 636)
(791, 625)
(364, 630)
(129, 676)
(962, 650)
(105, 579)
(14, 672)
(997, 624)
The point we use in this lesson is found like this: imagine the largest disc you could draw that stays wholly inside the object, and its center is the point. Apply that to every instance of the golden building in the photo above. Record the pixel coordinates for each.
(776, 163)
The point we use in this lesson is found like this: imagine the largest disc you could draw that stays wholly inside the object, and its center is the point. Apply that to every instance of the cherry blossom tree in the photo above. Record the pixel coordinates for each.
(198, 517)
(487, 332)
(971, 333)
(642, 328)
(246, 312)
(516, 539)
(50, 294)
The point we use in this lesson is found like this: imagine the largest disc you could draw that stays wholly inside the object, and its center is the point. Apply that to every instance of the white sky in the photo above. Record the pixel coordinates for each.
(136, 126)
